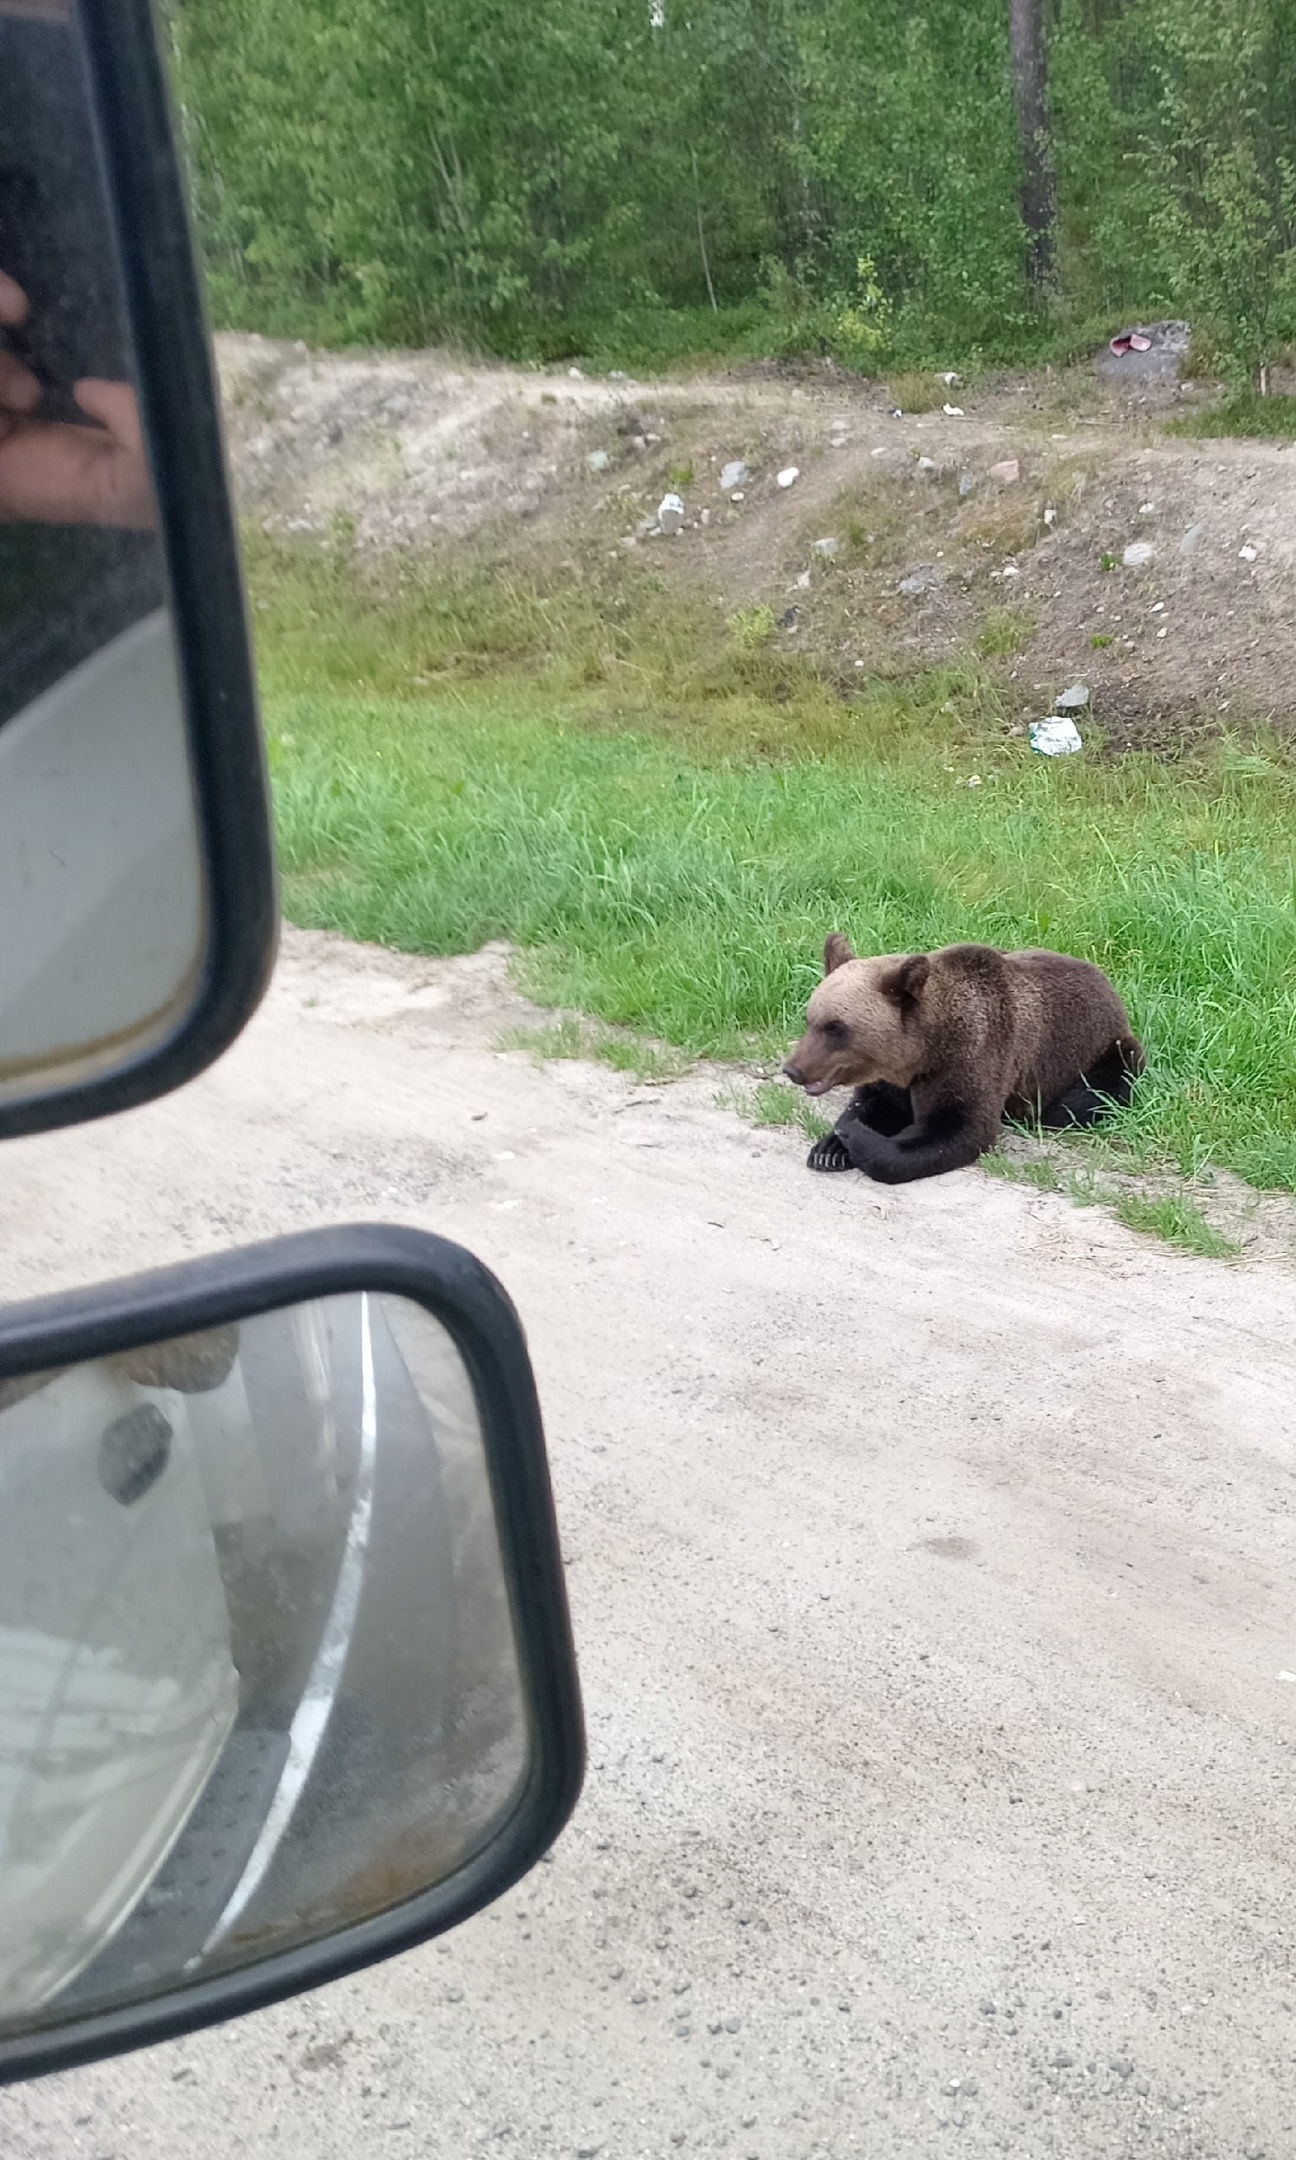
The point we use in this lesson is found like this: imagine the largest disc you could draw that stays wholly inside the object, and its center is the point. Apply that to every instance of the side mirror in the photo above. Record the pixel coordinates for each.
(134, 827)
(286, 1677)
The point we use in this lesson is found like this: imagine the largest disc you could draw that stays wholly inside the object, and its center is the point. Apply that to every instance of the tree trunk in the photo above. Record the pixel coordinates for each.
(1030, 97)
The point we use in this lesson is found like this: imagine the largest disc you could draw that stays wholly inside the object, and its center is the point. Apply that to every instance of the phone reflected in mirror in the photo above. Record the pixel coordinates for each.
(259, 1676)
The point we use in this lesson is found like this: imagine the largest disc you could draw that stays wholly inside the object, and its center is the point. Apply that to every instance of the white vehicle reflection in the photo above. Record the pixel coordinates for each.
(117, 1686)
(275, 1625)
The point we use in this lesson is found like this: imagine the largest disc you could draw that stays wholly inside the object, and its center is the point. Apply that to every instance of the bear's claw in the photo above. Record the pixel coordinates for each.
(828, 1154)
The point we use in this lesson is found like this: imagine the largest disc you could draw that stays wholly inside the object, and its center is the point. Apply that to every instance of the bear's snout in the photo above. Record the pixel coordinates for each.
(792, 1071)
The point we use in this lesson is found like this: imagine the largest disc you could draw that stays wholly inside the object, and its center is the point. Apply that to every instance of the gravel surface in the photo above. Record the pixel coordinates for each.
(931, 1561)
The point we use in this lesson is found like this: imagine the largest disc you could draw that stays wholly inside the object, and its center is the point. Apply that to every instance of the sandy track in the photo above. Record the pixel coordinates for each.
(931, 1559)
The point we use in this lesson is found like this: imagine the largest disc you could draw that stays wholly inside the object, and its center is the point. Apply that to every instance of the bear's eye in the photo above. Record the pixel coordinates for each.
(836, 1031)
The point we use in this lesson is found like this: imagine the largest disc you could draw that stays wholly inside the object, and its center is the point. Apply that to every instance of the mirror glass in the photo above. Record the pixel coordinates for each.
(258, 1671)
(101, 885)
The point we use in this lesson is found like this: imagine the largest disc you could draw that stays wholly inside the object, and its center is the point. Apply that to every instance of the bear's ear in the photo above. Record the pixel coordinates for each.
(837, 951)
(904, 983)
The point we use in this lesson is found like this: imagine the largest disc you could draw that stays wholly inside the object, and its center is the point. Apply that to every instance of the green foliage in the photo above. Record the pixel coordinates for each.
(1004, 630)
(533, 180)
(1245, 414)
(774, 1103)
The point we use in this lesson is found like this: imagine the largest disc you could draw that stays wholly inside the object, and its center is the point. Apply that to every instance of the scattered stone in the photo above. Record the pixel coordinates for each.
(670, 514)
(1147, 509)
(788, 475)
(827, 548)
(1138, 555)
(1073, 700)
(733, 475)
(1142, 2086)
(953, 412)
(1058, 737)
(1006, 472)
(926, 578)
(598, 461)
(803, 581)
(739, 497)
(1063, 2061)
(1192, 539)
(1050, 515)
(733, 2024)
(1247, 553)
(926, 464)
(577, 374)
(1122, 2065)
(967, 485)
(788, 619)
(617, 374)
(705, 517)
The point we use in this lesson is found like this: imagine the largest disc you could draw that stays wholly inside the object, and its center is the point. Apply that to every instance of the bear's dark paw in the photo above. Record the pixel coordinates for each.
(830, 1153)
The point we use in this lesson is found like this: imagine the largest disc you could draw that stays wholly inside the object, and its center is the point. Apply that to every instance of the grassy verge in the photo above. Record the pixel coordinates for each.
(1174, 1217)
(666, 814)
(1246, 414)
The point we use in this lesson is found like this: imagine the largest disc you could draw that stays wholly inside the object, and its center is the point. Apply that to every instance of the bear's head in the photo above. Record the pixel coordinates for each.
(862, 1022)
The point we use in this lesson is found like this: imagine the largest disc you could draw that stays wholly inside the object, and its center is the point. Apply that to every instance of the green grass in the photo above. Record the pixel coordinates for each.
(666, 817)
(575, 1038)
(1004, 631)
(1172, 1217)
(1246, 414)
(1178, 1220)
(771, 1102)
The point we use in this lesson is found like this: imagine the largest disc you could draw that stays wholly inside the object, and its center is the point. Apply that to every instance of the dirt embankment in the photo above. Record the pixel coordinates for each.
(1002, 527)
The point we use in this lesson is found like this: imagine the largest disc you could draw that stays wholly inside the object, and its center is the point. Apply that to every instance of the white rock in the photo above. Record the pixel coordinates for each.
(1248, 553)
(1073, 700)
(788, 475)
(1055, 738)
(827, 548)
(1138, 554)
(803, 582)
(926, 464)
(670, 514)
(953, 412)
(1006, 472)
(598, 461)
(733, 475)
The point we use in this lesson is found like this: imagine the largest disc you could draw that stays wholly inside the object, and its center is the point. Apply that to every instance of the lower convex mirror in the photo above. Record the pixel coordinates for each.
(285, 1673)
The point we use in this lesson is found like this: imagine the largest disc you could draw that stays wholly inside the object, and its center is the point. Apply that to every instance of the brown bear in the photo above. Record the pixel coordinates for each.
(941, 1046)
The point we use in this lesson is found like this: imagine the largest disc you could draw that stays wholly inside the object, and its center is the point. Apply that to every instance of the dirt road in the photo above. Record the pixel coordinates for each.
(931, 1555)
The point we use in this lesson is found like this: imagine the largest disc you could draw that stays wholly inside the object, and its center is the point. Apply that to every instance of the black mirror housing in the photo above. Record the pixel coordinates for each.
(113, 50)
(96, 1387)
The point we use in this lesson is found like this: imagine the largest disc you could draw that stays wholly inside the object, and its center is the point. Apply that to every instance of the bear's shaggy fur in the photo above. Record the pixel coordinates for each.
(940, 1046)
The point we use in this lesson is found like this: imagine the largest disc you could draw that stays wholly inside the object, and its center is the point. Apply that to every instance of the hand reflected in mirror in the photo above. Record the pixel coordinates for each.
(57, 472)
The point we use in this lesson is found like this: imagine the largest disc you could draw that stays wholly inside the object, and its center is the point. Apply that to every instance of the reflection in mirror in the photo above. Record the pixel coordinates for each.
(258, 1674)
(101, 887)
